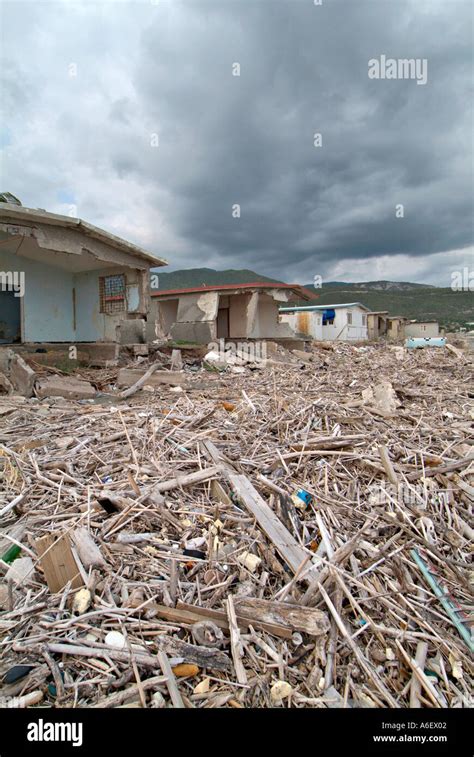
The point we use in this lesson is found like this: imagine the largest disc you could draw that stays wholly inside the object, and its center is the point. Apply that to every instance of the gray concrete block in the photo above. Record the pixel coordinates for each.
(22, 376)
(200, 333)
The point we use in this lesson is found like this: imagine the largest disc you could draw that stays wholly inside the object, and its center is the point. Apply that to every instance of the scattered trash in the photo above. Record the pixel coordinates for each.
(260, 539)
(382, 397)
(250, 561)
(185, 671)
(202, 687)
(280, 690)
(82, 601)
(20, 571)
(302, 496)
(17, 673)
(207, 634)
(116, 640)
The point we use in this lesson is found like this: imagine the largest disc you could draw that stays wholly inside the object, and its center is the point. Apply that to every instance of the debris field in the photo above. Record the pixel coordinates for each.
(293, 535)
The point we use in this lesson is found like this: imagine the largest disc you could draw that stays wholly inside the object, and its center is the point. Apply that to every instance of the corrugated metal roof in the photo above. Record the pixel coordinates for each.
(325, 307)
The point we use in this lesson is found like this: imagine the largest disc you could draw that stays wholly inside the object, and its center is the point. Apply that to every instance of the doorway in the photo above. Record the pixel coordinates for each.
(223, 323)
(10, 317)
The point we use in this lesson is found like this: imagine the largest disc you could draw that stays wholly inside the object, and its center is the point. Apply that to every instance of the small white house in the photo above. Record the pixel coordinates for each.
(340, 322)
(422, 329)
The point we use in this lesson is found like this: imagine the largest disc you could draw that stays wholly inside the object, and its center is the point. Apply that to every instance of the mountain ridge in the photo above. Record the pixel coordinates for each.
(412, 300)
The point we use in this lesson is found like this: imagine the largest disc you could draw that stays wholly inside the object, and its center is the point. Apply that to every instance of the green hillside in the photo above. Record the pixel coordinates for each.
(451, 309)
(206, 277)
(419, 301)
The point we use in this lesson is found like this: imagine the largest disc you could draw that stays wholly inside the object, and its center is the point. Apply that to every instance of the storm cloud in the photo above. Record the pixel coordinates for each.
(130, 115)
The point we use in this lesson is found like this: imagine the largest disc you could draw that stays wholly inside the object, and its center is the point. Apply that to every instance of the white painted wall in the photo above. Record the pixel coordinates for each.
(310, 322)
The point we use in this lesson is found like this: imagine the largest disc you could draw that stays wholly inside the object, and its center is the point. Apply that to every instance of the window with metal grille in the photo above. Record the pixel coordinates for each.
(112, 293)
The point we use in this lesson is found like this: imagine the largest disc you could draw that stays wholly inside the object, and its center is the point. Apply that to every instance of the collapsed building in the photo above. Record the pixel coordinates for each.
(65, 280)
(377, 323)
(227, 311)
(396, 327)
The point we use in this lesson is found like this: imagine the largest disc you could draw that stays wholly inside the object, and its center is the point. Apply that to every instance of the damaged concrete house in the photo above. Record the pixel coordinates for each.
(66, 281)
(227, 311)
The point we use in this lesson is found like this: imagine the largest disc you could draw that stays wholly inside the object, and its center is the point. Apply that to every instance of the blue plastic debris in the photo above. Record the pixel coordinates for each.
(302, 496)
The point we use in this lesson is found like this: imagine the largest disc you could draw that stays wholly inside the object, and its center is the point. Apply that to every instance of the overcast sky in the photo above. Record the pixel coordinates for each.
(129, 115)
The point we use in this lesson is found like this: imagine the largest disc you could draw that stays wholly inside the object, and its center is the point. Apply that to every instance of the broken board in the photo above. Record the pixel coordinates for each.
(58, 562)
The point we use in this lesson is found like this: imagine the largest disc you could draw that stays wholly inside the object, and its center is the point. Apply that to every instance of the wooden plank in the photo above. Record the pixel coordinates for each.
(187, 479)
(455, 465)
(58, 562)
(203, 657)
(88, 551)
(220, 619)
(305, 619)
(286, 545)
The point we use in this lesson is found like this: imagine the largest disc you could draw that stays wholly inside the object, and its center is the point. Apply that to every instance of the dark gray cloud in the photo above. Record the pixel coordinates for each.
(132, 109)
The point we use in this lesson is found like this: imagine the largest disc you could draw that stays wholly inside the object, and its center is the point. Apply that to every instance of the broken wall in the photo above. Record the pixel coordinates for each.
(91, 324)
(63, 306)
(264, 322)
(196, 318)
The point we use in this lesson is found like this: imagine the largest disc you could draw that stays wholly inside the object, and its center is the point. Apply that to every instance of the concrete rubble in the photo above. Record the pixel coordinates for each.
(68, 387)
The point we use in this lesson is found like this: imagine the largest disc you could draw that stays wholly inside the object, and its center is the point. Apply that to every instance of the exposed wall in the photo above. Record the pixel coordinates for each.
(310, 322)
(343, 331)
(163, 313)
(251, 316)
(376, 325)
(264, 322)
(395, 328)
(91, 324)
(196, 317)
(62, 306)
(307, 322)
(197, 307)
(239, 315)
(47, 304)
(422, 329)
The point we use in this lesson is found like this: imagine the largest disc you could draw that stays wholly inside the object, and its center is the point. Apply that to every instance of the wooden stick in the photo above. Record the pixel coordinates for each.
(235, 642)
(170, 680)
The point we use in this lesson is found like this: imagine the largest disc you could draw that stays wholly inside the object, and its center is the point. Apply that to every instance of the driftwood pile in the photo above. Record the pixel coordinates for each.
(297, 535)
